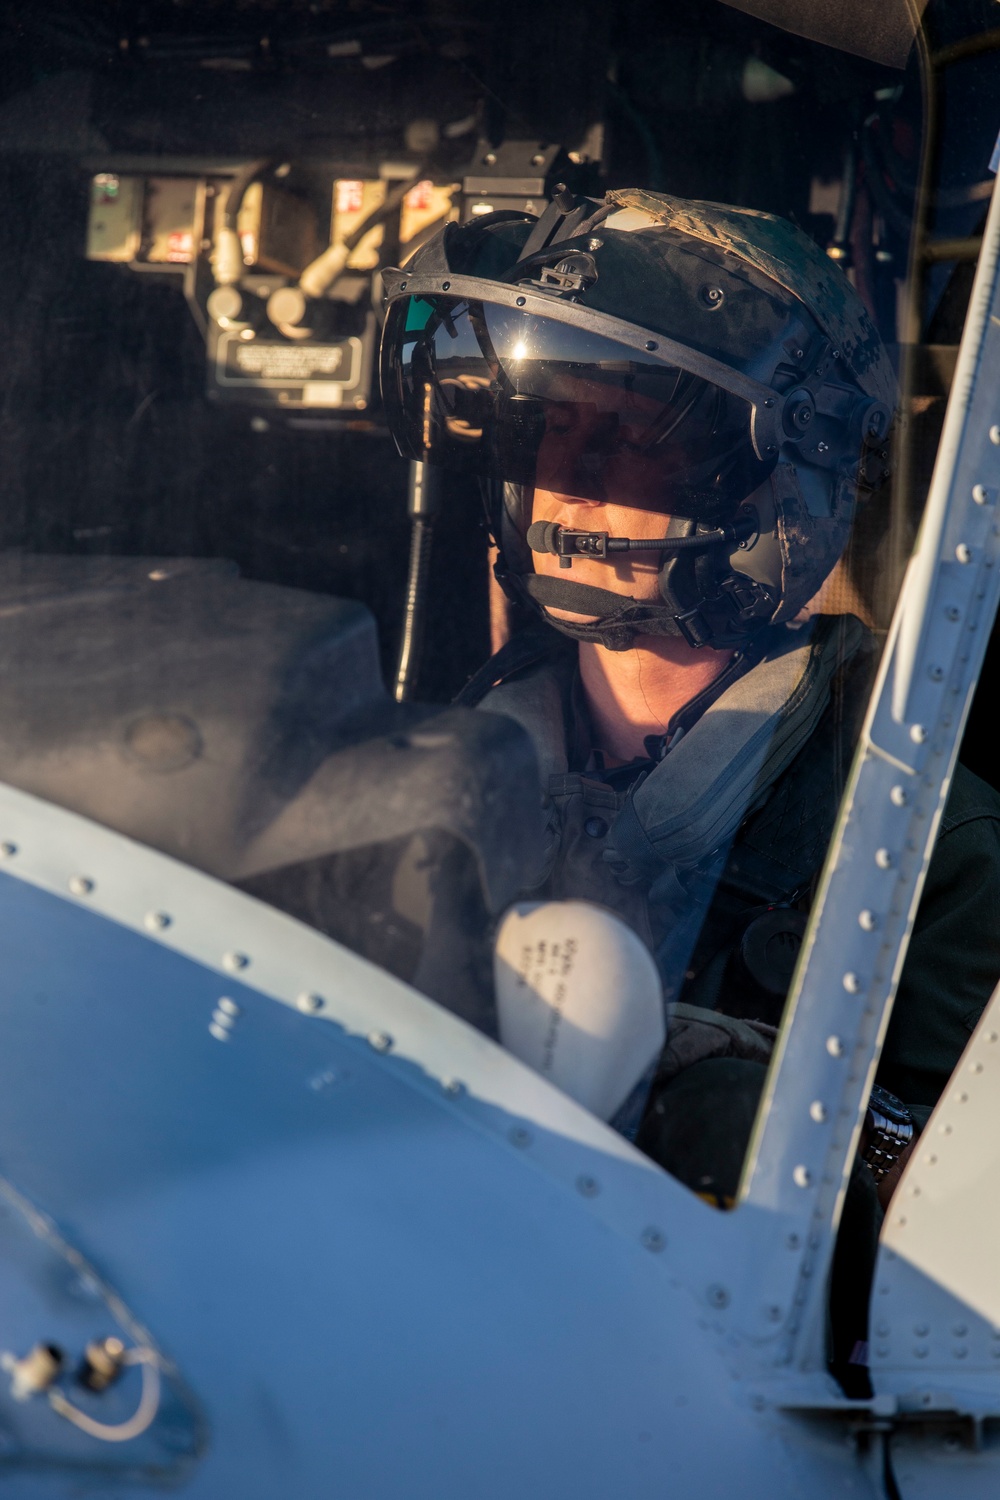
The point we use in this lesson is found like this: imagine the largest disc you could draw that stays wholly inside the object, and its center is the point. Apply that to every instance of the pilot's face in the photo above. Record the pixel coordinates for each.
(577, 435)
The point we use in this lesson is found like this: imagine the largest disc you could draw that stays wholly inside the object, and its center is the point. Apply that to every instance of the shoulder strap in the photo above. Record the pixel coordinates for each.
(779, 849)
(525, 649)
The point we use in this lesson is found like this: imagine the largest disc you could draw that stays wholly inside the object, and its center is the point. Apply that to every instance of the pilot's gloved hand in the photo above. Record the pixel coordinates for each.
(694, 1034)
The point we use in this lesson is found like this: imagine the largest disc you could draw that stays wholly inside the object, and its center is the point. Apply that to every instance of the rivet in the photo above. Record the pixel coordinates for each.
(234, 962)
(453, 1087)
(219, 1032)
(921, 1351)
(834, 1046)
(882, 1351)
(995, 436)
(380, 1040)
(446, 286)
(588, 1186)
(223, 1018)
(898, 796)
(717, 1295)
(960, 1352)
(759, 1403)
(653, 1239)
(309, 1003)
(817, 1111)
(155, 921)
(935, 673)
(520, 301)
(930, 1159)
(519, 1136)
(981, 494)
(960, 1330)
(867, 920)
(773, 1314)
(80, 885)
(963, 552)
(975, 1067)
(793, 1242)
(7, 849)
(883, 859)
(994, 1036)
(918, 734)
(851, 983)
(324, 1080)
(402, 286)
(882, 1330)
(962, 1098)
(228, 1007)
(651, 344)
(801, 1176)
(953, 612)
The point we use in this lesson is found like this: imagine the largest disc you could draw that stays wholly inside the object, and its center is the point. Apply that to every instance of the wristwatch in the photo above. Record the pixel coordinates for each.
(889, 1128)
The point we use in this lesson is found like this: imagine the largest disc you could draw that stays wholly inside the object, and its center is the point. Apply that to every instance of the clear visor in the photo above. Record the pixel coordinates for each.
(493, 391)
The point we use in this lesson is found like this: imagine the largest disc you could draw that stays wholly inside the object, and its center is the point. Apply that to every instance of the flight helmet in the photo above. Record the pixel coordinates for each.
(705, 362)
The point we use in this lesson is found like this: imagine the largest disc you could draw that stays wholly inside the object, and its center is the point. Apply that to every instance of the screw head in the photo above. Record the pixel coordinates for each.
(717, 1295)
(520, 301)
(309, 1003)
(519, 1136)
(234, 961)
(381, 1041)
(817, 1111)
(156, 921)
(588, 1186)
(653, 1239)
(80, 885)
(801, 1176)
(834, 1046)
(7, 849)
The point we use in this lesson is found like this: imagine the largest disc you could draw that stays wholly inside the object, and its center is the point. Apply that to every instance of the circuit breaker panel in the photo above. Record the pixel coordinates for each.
(279, 260)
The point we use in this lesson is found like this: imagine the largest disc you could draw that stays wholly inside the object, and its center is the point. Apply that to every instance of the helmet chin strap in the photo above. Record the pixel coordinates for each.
(619, 617)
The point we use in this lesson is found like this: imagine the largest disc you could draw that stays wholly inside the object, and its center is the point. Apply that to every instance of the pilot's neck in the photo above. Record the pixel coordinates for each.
(635, 693)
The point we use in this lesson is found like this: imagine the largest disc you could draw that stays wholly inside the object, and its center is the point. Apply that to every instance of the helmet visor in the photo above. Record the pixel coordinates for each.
(500, 393)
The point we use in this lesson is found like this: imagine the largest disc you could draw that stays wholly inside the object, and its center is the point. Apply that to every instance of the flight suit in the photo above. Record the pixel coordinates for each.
(770, 866)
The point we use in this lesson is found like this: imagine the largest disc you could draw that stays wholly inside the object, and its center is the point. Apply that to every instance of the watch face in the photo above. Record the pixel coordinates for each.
(887, 1104)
